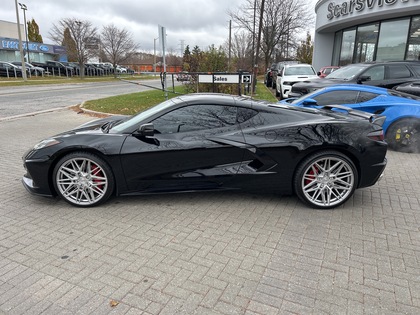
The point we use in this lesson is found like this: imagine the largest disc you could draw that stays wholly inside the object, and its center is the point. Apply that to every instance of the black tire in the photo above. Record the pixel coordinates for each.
(83, 179)
(325, 179)
(404, 135)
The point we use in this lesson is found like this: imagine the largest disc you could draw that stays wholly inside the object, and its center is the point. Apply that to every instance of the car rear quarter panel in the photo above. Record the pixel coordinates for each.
(288, 146)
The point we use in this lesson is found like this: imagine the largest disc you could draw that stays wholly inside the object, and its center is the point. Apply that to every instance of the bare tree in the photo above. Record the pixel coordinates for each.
(117, 44)
(282, 22)
(241, 50)
(82, 33)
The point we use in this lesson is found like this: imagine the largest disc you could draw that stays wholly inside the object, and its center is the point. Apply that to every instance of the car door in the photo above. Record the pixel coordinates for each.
(193, 147)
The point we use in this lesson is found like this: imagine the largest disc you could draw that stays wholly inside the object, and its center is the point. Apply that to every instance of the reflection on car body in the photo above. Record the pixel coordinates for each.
(402, 110)
(212, 142)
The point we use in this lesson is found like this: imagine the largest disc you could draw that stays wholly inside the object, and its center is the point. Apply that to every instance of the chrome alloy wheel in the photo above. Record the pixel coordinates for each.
(81, 181)
(328, 181)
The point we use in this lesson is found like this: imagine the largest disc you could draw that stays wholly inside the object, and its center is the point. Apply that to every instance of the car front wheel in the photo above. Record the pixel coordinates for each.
(325, 179)
(83, 179)
(404, 135)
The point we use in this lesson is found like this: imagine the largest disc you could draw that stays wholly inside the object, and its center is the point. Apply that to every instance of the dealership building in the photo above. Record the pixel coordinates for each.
(353, 31)
(38, 52)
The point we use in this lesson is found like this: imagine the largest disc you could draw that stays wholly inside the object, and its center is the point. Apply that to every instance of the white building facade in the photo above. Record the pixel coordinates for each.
(352, 31)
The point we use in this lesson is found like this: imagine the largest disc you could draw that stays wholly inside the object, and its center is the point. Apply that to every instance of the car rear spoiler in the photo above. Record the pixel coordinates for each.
(373, 118)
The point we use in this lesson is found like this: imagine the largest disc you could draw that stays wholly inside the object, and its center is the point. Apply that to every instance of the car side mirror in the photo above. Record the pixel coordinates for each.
(318, 73)
(309, 102)
(363, 78)
(146, 130)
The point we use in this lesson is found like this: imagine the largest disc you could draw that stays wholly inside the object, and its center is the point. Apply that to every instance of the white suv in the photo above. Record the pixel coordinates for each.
(291, 74)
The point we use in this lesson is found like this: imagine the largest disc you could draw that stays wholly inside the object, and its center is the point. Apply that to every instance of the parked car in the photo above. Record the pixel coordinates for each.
(74, 66)
(289, 74)
(8, 69)
(93, 70)
(275, 70)
(268, 78)
(410, 88)
(212, 142)
(58, 68)
(183, 76)
(33, 70)
(402, 111)
(382, 74)
(324, 71)
(120, 69)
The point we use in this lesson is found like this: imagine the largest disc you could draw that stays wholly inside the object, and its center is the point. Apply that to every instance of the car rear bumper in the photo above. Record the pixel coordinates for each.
(374, 174)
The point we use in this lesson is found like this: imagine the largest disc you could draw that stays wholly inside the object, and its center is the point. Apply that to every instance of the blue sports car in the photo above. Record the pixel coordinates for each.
(402, 110)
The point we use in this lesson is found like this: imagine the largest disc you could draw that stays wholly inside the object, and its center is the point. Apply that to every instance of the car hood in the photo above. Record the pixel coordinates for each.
(300, 77)
(320, 82)
(96, 124)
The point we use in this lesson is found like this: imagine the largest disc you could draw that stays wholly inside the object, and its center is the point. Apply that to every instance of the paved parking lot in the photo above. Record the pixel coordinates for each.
(206, 253)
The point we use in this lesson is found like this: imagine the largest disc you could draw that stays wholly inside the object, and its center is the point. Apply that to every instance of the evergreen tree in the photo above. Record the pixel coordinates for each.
(70, 45)
(33, 32)
(305, 50)
(186, 59)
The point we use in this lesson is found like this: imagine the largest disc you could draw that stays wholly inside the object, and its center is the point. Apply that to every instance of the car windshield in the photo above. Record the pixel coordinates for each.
(142, 116)
(299, 71)
(346, 73)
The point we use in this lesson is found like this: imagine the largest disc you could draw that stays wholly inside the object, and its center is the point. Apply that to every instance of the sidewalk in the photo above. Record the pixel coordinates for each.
(205, 253)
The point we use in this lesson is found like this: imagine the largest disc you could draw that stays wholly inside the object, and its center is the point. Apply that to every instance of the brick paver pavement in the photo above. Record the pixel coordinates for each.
(205, 253)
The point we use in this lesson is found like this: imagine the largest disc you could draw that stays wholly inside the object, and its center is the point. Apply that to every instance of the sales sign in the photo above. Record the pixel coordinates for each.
(218, 78)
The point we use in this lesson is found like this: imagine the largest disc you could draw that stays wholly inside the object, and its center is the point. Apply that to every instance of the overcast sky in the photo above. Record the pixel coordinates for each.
(195, 22)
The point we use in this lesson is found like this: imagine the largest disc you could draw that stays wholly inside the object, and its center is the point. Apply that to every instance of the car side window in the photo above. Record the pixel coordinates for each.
(398, 71)
(337, 97)
(245, 114)
(366, 96)
(196, 118)
(375, 73)
(416, 68)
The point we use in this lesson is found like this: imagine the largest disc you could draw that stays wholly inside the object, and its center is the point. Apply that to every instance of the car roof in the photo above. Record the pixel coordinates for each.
(355, 87)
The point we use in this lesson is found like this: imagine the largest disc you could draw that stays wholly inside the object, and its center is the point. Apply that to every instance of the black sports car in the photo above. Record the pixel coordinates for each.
(212, 142)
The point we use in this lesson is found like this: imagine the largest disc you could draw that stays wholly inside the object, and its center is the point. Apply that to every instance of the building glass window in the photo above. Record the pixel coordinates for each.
(413, 49)
(336, 50)
(366, 39)
(347, 47)
(392, 40)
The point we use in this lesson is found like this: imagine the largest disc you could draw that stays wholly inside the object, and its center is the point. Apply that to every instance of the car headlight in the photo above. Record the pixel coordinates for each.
(46, 143)
(287, 83)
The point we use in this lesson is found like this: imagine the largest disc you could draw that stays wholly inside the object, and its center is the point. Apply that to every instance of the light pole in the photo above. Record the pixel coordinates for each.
(20, 43)
(154, 54)
(24, 8)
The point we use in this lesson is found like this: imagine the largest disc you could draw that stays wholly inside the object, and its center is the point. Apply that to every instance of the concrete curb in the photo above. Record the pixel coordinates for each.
(79, 106)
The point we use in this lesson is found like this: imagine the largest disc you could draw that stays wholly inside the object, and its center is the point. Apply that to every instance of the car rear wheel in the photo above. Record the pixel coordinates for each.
(83, 179)
(325, 179)
(404, 135)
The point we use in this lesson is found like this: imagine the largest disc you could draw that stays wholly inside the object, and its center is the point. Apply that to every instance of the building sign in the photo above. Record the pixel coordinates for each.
(13, 44)
(355, 6)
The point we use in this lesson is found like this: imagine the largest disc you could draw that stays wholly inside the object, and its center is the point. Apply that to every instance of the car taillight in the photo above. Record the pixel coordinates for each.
(377, 135)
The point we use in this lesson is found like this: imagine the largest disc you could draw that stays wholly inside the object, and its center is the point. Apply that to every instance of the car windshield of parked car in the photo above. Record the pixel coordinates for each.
(135, 120)
(299, 71)
(346, 73)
